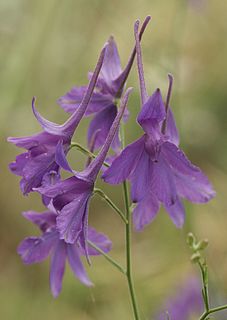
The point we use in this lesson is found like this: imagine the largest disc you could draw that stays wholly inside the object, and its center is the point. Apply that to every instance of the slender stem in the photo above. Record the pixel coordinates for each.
(213, 310)
(85, 151)
(128, 228)
(107, 257)
(205, 287)
(111, 204)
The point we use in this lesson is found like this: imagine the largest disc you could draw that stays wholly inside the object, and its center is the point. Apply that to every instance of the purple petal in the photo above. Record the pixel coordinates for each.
(18, 166)
(141, 177)
(72, 99)
(60, 157)
(171, 128)
(57, 268)
(76, 264)
(163, 182)
(43, 220)
(36, 249)
(48, 126)
(100, 240)
(152, 113)
(101, 124)
(145, 212)
(72, 184)
(125, 163)
(177, 213)
(49, 179)
(111, 68)
(70, 219)
(177, 159)
(195, 188)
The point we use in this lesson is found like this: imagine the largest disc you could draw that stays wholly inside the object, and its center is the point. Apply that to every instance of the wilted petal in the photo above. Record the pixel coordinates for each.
(141, 177)
(163, 182)
(195, 188)
(70, 219)
(171, 128)
(177, 159)
(145, 212)
(57, 268)
(76, 264)
(101, 124)
(177, 213)
(100, 240)
(125, 163)
(36, 249)
(152, 113)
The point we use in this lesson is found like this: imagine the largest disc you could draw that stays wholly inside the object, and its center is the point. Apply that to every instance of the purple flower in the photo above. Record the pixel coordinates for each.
(36, 249)
(186, 303)
(158, 170)
(41, 148)
(109, 88)
(70, 197)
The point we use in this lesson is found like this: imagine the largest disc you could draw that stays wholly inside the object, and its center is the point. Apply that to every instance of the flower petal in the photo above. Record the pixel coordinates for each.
(195, 188)
(60, 157)
(100, 240)
(177, 159)
(152, 113)
(70, 219)
(177, 213)
(125, 163)
(57, 268)
(76, 264)
(72, 99)
(36, 249)
(145, 212)
(163, 182)
(101, 124)
(43, 220)
(111, 68)
(171, 128)
(141, 177)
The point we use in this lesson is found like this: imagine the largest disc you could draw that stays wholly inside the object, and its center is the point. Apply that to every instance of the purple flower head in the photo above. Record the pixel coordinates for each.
(186, 303)
(109, 88)
(36, 249)
(158, 170)
(70, 197)
(39, 159)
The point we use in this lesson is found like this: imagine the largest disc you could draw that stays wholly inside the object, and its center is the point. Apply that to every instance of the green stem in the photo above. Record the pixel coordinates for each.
(128, 228)
(85, 151)
(107, 257)
(111, 204)
(213, 310)
(205, 287)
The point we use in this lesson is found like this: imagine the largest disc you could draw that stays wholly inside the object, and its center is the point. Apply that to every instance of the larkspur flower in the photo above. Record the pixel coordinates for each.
(41, 148)
(103, 103)
(70, 197)
(158, 170)
(36, 249)
(186, 303)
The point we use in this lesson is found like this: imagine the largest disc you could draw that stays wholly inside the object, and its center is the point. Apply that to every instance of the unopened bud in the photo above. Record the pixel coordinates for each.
(202, 244)
(191, 239)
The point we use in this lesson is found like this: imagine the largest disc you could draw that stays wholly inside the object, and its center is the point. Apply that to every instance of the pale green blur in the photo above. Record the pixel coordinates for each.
(47, 46)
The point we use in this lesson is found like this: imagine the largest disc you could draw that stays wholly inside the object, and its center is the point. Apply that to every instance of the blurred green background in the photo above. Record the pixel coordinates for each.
(49, 46)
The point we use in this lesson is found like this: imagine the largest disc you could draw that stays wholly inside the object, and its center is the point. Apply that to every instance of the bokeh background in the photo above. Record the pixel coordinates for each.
(47, 46)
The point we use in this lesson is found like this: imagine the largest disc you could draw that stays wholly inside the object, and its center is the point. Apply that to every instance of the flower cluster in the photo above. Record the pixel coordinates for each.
(157, 169)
